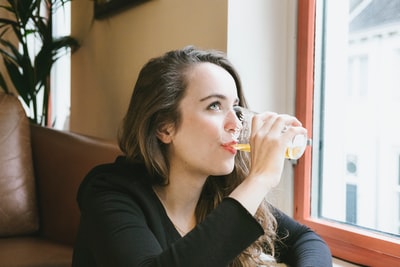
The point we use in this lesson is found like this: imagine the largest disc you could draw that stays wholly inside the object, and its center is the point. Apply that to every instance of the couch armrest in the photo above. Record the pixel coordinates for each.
(18, 205)
(61, 160)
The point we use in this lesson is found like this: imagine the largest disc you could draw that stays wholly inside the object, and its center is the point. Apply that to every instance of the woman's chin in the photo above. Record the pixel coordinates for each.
(225, 171)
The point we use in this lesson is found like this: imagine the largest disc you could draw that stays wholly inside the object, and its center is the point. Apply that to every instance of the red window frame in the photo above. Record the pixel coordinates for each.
(346, 242)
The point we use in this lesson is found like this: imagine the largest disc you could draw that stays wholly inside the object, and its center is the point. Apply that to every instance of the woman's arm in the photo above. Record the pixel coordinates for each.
(299, 245)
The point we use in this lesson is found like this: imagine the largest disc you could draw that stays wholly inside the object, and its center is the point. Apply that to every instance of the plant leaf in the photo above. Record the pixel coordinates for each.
(18, 80)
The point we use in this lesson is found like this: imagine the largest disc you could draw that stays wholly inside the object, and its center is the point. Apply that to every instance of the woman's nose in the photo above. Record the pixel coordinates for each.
(233, 122)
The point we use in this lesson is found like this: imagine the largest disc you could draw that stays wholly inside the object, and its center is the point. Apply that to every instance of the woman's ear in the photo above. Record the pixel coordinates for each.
(165, 133)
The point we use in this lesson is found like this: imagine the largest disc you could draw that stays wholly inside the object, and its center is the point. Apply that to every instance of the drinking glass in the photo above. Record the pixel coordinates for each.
(294, 151)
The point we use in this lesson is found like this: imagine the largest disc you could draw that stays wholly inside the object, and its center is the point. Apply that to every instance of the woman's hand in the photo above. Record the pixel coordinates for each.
(271, 134)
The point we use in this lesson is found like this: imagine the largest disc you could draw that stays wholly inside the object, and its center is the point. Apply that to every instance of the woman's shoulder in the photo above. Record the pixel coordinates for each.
(120, 176)
(121, 167)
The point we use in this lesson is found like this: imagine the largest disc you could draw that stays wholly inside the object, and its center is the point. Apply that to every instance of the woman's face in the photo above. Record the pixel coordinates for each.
(200, 145)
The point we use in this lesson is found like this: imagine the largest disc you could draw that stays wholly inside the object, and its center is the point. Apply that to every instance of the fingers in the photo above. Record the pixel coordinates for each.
(275, 124)
(271, 135)
(263, 121)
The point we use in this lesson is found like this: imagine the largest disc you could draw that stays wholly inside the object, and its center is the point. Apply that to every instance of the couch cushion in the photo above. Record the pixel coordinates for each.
(18, 208)
(33, 252)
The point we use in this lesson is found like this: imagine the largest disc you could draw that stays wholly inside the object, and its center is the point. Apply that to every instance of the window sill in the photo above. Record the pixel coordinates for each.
(341, 263)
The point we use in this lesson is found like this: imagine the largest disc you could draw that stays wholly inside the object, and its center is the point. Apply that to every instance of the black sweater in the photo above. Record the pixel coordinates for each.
(123, 223)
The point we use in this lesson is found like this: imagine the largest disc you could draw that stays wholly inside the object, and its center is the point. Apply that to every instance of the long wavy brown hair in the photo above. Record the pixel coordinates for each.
(160, 87)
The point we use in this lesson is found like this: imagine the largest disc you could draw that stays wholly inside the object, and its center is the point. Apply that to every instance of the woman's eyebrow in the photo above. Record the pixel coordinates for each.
(219, 96)
(213, 96)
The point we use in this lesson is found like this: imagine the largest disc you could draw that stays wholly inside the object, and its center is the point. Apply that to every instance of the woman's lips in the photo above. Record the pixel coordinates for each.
(229, 146)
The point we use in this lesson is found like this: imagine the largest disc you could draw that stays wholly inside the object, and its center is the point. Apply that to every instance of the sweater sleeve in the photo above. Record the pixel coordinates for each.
(225, 233)
(115, 231)
(298, 245)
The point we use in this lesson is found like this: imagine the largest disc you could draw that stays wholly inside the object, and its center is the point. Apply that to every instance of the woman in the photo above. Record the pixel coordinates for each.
(181, 195)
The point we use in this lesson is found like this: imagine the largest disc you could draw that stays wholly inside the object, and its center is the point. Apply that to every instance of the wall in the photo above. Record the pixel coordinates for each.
(262, 44)
(113, 50)
(13, 39)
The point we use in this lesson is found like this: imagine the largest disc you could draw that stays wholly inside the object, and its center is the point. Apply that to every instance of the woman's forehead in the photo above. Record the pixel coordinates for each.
(207, 79)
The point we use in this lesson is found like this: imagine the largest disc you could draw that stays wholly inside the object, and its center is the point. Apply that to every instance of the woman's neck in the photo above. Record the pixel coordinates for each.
(179, 201)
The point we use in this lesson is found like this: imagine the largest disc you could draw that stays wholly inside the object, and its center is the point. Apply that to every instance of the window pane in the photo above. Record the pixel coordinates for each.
(357, 112)
(61, 72)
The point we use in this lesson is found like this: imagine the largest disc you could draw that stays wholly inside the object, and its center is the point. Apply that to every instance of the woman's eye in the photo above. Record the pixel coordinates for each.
(215, 106)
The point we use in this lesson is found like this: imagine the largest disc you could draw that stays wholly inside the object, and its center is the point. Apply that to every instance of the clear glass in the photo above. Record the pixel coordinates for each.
(356, 124)
(294, 151)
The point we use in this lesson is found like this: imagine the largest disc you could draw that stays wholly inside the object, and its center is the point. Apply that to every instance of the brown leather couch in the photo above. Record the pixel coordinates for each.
(40, 172)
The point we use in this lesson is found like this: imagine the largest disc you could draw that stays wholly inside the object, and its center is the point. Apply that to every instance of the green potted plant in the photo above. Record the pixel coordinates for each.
(20, 22)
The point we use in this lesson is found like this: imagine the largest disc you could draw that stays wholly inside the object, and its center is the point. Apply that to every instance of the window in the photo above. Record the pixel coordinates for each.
(347, 184)
(61, 71)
